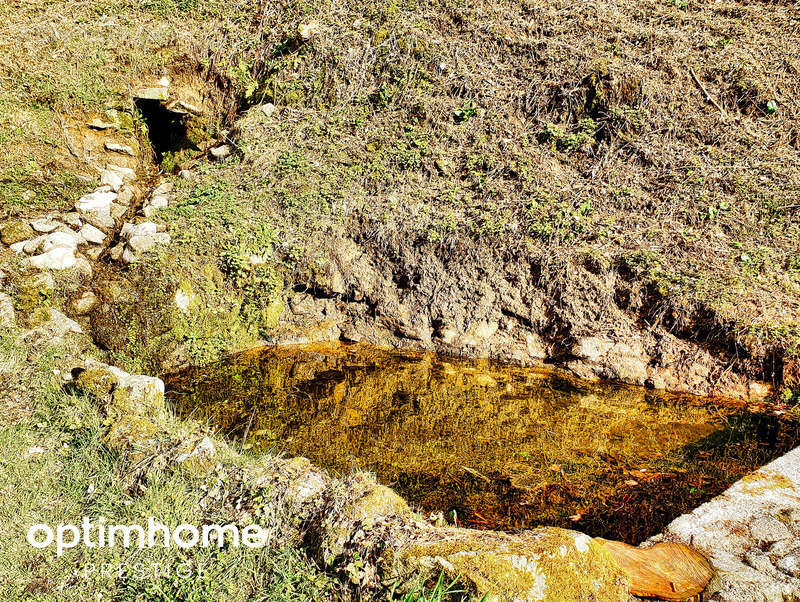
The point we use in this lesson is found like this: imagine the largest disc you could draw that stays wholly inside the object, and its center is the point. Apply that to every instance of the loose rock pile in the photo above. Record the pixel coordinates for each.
(139, 238)
(158, 199)
(59, 242)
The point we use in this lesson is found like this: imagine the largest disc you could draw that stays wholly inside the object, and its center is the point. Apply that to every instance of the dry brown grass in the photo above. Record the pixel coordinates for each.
(629, 135)
(635, 135)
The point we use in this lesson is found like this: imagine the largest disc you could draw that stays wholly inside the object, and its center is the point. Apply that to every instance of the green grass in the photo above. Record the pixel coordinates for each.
(77, 476)
(441, 591)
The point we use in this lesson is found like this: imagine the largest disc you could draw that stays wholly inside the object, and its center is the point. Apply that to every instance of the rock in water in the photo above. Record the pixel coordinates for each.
(668, 571)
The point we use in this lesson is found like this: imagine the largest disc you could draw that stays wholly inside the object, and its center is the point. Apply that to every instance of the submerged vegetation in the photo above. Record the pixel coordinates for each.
(483, 444)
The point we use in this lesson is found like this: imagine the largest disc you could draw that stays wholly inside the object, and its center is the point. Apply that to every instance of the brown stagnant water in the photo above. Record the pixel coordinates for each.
(488, 445)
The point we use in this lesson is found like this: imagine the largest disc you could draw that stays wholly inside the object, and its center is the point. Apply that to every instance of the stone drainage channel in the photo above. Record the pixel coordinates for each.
(105, 222)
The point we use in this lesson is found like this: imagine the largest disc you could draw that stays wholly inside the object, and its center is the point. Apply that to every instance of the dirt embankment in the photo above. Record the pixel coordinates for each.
(481, 302)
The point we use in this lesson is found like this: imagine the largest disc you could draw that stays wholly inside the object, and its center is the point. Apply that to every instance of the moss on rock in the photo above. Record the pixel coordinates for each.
(545, 564)
(34, 291)
(15, 231)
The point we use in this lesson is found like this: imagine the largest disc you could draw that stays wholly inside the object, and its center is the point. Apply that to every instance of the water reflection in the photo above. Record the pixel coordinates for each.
(501, 446)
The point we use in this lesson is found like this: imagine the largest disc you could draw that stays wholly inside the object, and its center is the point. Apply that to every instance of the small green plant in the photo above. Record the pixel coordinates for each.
(793, 265)
(625, 118)
(754, 260)
(289, 162)
(465, 112)
(168, 7)
(440, 592)
(772, 107)
(582, 135)
(712, 211)
(242, 74)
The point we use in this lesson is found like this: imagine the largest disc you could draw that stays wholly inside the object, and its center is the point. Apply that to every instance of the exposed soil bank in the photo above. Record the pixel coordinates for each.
(475, 301)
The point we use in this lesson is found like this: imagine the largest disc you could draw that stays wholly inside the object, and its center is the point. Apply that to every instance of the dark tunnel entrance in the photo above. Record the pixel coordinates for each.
(166, 129)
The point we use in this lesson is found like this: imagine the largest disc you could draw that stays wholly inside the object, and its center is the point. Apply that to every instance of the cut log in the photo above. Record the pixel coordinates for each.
(669, 571)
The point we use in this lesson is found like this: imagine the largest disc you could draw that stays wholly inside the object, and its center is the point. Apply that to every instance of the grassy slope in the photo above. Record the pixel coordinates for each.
(74, 475)
(556, 129)
(657, 136)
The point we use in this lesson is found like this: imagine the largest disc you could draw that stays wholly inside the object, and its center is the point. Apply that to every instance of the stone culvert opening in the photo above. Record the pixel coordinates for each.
(166, 129)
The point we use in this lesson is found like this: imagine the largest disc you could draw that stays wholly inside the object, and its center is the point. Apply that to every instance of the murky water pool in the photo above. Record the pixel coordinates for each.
(485, 444)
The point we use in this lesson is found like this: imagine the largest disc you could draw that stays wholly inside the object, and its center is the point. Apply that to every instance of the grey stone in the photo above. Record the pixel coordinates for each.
(767, 529)
(116, 252)
(44, 225)
(126, 173)
(96, 202)
(115, 147)
(789, 565)
(72, 219)
(99, 124)
(31, 246)
(92, 234)
(61, 324)
(84, 267)
(733, 528)
(129, 230)
(104, 221)
(112, 179)
(163, 188)
(128, 256)
(222, 152)
(58, 258)
(118, 211)
(183, 107)
(157, 93)
(145, 242)
(84, 304)
(268, 109)
(58, 239)
(126, 195)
